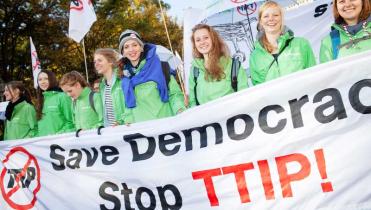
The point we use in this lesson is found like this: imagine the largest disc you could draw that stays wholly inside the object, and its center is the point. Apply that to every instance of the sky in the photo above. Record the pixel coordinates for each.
(177, 7)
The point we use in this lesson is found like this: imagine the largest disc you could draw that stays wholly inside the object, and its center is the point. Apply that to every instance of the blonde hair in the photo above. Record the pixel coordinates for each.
(264, 7)
(218, 49)
(110, 54)
(365, 12)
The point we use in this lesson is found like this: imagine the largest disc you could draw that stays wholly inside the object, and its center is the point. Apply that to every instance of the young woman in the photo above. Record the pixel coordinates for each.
(210, 75)
(53, 107)
(277, 52)
(105, 61)
(351, 32)
(148, 94)
(20, 113)
(87, 105)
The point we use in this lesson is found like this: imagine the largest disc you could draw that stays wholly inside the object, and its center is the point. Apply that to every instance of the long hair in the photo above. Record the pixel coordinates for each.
(71, 78)
(218, 49)
(365, 12)
(264, 7)
(23, 92)
(53, 83)
(110, 54)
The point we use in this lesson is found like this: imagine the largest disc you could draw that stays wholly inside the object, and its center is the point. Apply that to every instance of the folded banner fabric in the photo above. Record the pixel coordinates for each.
(298, 142)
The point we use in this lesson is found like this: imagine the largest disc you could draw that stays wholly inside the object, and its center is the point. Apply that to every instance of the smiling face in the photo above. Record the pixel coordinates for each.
(101, 64)
(132, 50)
(202, 40)
(271, 20)
(349, 10)
(43, 81)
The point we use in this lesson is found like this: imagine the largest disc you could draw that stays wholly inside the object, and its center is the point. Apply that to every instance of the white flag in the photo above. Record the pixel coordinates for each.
(82, 17)
(35, 63)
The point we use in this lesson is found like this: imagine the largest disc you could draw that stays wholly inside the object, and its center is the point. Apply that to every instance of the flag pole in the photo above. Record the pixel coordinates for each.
(86, 66)
(171, 48)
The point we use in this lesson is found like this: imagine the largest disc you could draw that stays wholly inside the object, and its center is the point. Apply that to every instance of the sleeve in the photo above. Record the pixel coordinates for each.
(253, 70)
(99, 108)
(32, 122)
(66, 109)
(325, 53)
(242, 79)
(310, 58)
(191, 86)
(176, 97)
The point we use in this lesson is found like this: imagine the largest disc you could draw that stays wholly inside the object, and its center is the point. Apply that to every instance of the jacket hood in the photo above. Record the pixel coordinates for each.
(286, 32)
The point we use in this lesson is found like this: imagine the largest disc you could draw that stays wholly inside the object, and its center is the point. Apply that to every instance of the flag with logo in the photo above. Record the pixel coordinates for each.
(35, 63)
(82, 17)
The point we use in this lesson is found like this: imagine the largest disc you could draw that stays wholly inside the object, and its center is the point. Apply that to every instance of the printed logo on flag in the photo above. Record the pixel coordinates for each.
(20, 184)
(247, 9)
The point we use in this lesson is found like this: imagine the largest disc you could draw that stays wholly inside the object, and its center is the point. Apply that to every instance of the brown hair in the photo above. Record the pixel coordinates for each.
(71, 78)
(265, 6)
(23, 92)
(53, 83)
(365, 12)
(218, 49)
(110, 54)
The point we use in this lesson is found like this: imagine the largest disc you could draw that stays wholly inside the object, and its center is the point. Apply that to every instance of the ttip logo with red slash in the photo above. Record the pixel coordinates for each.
(238, 1)
(78, 5)
(19, 185)
(286, 179)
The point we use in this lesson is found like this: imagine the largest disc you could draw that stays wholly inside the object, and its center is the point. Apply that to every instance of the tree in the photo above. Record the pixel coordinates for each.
(47, 23)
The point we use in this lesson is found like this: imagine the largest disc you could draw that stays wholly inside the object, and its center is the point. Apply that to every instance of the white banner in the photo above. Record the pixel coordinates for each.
(238, 26)
(36, 68)
(298, 142)
(82, 17)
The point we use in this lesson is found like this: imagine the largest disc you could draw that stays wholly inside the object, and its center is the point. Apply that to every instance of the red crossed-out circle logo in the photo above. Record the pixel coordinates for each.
(238, 1)
(78, 4)
(28, 176)
(247, 9)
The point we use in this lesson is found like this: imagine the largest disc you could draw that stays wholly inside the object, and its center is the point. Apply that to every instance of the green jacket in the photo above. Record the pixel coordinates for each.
(296, 56)
(56, 114)
(84, 116)
(148, 102)
(23, 123)
(211, 90)
(118, 100)
(326, 53)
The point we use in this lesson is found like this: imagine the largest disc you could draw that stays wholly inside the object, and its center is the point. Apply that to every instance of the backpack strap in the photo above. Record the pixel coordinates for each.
(166, 71)
(335, 40)
(91, 101)
(196, 73)
(236, 64)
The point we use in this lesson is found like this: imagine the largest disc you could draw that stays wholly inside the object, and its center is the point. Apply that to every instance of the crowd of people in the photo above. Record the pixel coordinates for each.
(137, 86)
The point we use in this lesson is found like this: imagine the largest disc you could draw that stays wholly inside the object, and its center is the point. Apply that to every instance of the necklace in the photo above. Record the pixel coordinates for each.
(351, 42)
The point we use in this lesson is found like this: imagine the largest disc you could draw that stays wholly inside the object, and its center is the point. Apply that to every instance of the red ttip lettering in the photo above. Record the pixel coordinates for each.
(286, 179)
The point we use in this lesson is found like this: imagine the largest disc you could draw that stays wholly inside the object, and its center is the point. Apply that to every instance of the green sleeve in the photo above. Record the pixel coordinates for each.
(66, 109)
(252, 66)
(325, 53)
(176, 97)
(191, 86)
(242, 79)
(32, 121)
(310, 58)
(99, 108)
(128, 115)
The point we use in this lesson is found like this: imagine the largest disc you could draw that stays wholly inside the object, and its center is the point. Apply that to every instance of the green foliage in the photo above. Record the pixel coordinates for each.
(47, 23)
